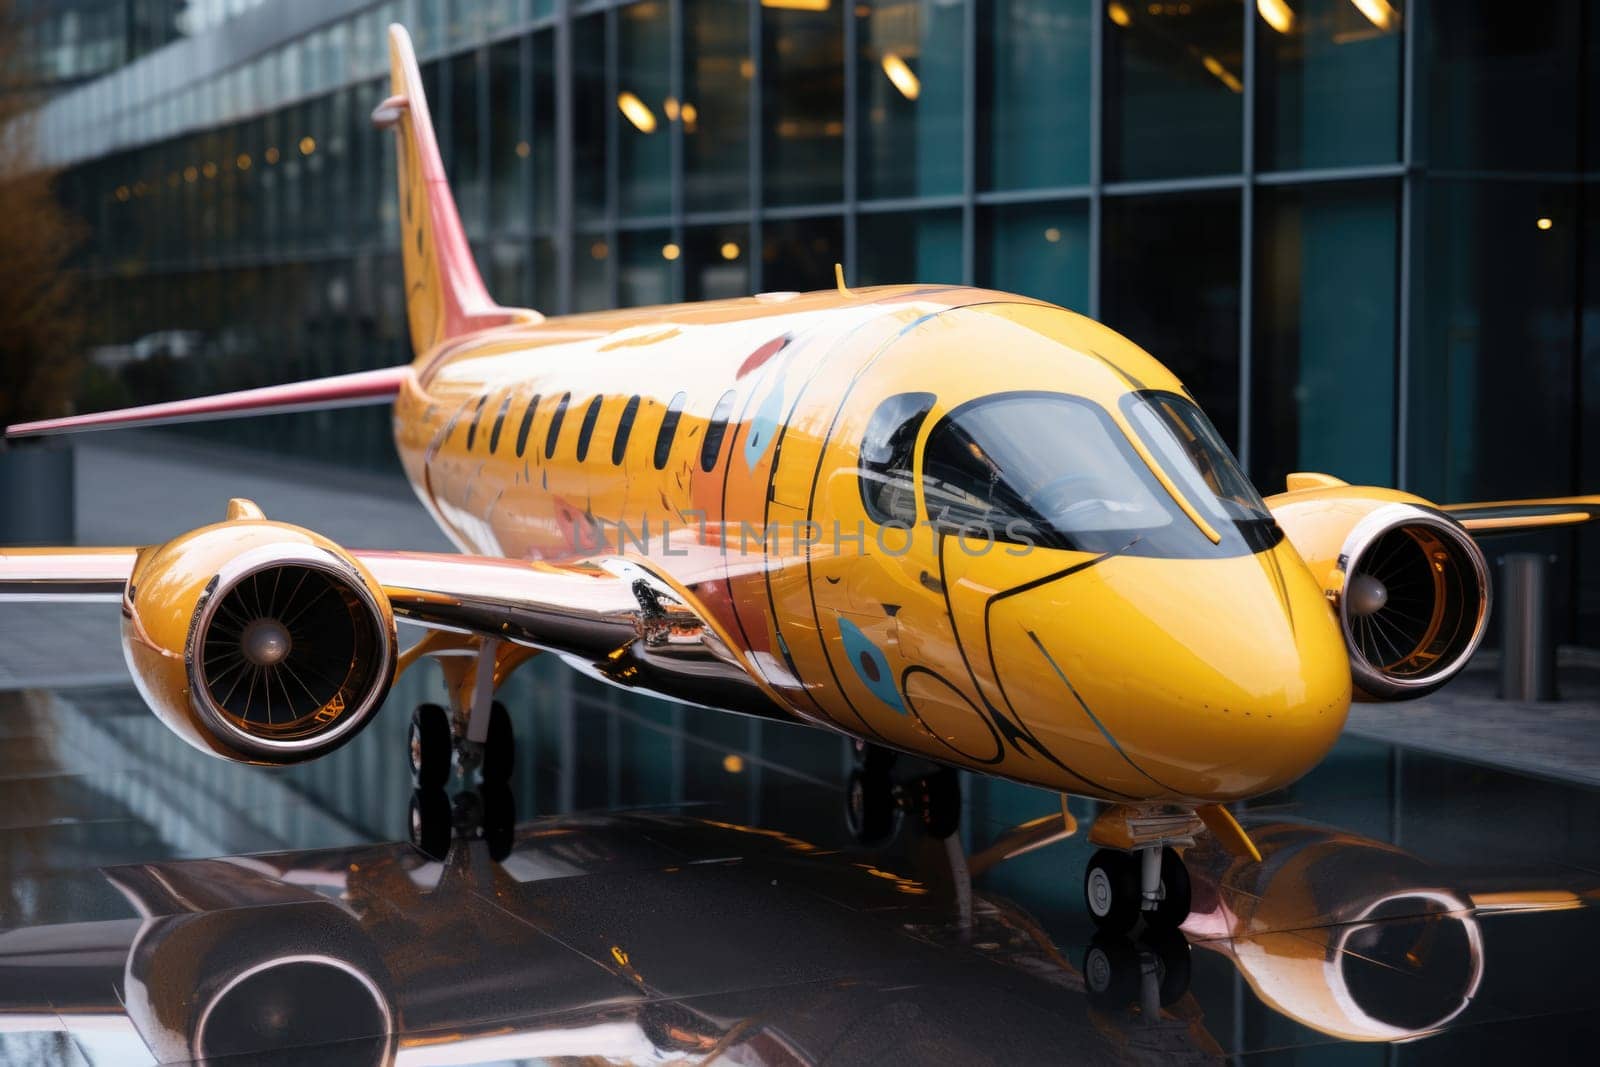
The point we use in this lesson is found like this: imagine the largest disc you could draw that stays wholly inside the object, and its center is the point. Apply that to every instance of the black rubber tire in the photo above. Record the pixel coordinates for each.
(1111, 890)
(431, 746)
(871, 812)
(1171, 948)
(939, 803)
(1175, 894)
(499, 747)
(499, 819)
(430, 822)
(1111, 971)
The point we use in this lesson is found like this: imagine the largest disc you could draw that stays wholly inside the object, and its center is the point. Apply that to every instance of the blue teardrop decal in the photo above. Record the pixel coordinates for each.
(764, 426)
(870, 664)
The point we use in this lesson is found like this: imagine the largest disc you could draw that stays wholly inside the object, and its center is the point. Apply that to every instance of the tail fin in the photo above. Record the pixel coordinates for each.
(445, 297)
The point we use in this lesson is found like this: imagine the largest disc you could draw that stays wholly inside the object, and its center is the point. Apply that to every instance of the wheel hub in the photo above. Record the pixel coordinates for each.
(1100, 892)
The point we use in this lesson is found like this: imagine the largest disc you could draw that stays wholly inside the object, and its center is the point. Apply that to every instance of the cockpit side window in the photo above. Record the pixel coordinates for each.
(1046, 469)
(1194, 455)
(888, 455)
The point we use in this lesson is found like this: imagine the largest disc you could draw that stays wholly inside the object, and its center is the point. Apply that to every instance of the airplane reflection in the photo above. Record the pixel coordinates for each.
(649, 938)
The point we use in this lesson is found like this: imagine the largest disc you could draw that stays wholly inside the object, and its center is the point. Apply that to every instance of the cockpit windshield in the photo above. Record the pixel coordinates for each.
(1057, 471)
(1041, 468)
(1194, 456)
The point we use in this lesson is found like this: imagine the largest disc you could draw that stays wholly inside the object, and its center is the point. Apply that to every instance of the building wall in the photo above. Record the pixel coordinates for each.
(1356, 228)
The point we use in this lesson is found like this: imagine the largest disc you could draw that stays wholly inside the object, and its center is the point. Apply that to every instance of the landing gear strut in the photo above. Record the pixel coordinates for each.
(876, 802)
(1120, 887)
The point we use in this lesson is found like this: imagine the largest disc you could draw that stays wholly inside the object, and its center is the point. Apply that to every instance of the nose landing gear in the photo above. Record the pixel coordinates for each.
(1120, 887)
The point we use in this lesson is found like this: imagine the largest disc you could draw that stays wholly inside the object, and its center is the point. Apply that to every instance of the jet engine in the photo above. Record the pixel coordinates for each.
(1408, 583)
(258, 641)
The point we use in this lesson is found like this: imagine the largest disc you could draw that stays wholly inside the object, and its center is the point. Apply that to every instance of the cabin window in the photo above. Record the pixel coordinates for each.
(499, 421)
(472, 427)
(715, 431)
(527, 424)
(888, 454)
(591, 415)
(619, 443)
(554, 435)
(669, 429)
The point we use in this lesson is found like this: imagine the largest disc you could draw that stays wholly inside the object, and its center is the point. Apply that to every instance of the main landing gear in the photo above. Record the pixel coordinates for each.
(876, 801)
(436, 751)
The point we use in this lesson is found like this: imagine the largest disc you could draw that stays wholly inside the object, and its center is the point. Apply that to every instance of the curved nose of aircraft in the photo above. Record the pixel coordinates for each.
(1200, 679)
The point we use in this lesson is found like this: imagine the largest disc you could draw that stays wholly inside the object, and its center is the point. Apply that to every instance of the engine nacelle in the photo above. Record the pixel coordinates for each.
(1409, 584)
(258, 641)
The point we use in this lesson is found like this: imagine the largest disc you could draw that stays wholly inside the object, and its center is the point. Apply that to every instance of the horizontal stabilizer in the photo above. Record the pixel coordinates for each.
(344, 390)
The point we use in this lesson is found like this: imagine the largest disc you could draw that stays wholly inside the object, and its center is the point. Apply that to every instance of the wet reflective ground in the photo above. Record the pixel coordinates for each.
(680, 887)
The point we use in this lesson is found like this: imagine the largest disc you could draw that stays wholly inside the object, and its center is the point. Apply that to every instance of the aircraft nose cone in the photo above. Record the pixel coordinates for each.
(1209, 679)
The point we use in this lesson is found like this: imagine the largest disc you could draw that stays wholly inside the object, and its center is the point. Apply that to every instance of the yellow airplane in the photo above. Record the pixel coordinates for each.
(951, 522)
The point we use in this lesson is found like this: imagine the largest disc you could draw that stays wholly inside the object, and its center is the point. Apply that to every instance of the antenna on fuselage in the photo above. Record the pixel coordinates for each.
(838, 278)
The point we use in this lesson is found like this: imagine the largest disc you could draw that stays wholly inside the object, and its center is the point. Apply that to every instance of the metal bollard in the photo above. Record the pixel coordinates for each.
(1527, 640)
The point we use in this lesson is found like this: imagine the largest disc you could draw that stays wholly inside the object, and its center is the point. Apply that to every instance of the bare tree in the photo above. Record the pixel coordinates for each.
(40, 354)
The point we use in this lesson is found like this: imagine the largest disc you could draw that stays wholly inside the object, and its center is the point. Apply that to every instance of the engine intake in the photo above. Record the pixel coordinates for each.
(258, 641)
(1415, 600)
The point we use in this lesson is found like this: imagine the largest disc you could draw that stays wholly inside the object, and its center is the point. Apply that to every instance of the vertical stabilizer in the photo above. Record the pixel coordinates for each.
(445, 297)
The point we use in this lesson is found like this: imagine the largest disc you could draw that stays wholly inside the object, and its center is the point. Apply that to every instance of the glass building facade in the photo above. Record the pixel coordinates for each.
(1358, 229)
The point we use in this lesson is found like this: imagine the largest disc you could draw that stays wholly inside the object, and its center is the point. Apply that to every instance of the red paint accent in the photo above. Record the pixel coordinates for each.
(344, 390)
(762, 354)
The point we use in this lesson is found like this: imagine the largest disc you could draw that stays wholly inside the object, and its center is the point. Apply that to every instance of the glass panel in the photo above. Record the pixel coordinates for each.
(803, 102)
(1328, 83)
(552, 436)
(1323, 389)
(1171, 283)
(799, 254)
(1492, 387)
(909, 77)
(711, 448)
(619, 441)
(591, 112)
(1173, 88)
(717, 70)
(647, 109)
(1187, 447)
(888, 456)
(644, 273)
(529, 413)
(591, 284)
(1034, 93)
(591, 416)
(1041, 469)
(510, 141)
(544, 131)
(462, 163)
(1504, 90)
(922, 246)
(669, 429)
(716, 262)
(1038, 250)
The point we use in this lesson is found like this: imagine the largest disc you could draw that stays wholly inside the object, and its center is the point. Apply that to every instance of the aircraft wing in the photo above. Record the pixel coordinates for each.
(1521, 516)
(612, 617)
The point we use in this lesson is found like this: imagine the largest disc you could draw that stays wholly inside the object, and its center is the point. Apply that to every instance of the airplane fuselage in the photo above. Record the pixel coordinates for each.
(1177, 655)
